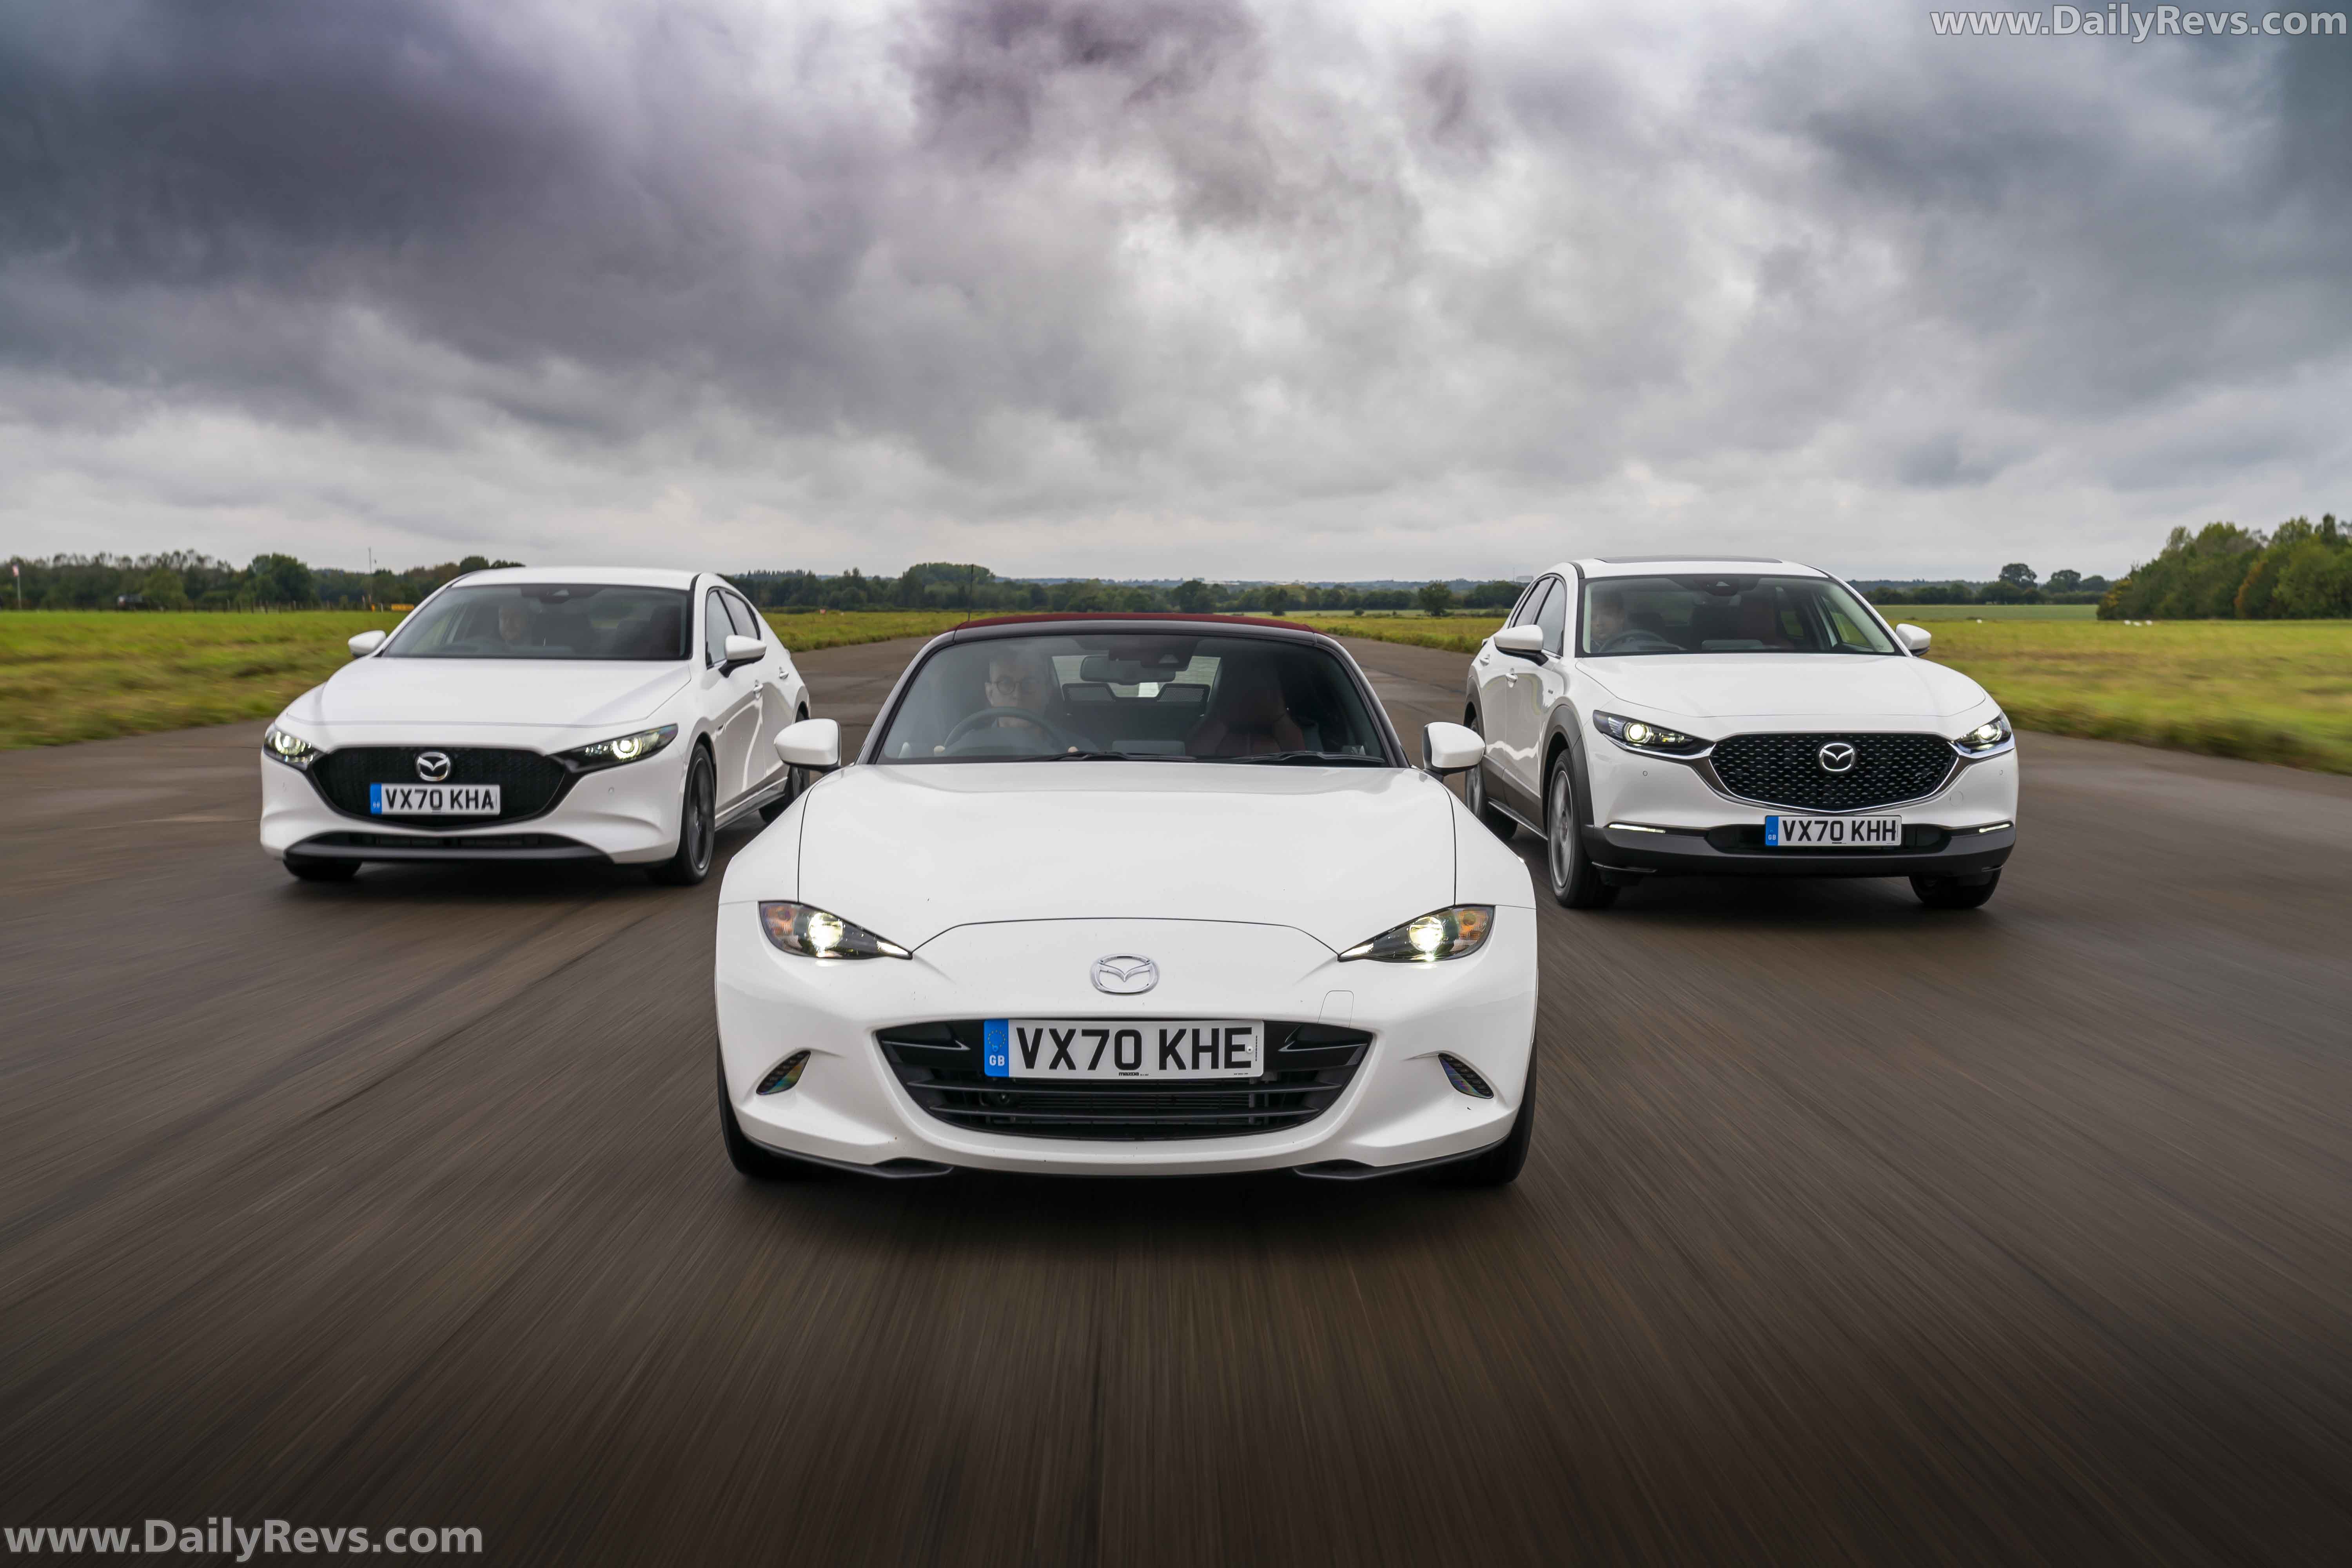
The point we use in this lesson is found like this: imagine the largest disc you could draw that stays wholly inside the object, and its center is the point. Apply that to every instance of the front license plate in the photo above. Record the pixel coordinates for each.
(433, 800)
(1833, 833)
(1122, 1047)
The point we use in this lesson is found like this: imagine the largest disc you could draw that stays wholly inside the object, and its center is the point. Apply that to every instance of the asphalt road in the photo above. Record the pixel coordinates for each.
(1853, 1232)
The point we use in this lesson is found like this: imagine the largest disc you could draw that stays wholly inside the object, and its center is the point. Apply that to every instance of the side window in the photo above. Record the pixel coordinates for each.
(716, 627)
(1553, 617)
(1529, 603)
(747, 624)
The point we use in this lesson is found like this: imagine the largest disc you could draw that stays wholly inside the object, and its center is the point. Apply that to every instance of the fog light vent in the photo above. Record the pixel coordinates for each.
(785, 1074)
(1464, 1077)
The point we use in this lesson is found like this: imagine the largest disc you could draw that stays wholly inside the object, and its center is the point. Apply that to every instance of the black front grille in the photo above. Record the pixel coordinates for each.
(1308, 1068)
(1786, 770)
(528, 783)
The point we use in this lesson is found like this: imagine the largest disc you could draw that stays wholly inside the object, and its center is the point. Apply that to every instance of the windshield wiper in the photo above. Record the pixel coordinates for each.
(1308, 759)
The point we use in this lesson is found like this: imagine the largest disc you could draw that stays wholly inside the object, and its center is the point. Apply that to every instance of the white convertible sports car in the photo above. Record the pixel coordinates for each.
(1675, 715)
(620, 716)
(1147, 895)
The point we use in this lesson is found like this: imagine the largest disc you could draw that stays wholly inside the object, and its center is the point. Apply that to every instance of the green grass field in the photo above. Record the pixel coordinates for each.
(1920, 614)
(2278, 692)
(83, 675)
(2274, 692)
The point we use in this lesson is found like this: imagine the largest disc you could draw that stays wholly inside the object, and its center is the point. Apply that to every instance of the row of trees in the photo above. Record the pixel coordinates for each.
(184, 580)
(2300, 570)
(951, 586)
(2017, 584)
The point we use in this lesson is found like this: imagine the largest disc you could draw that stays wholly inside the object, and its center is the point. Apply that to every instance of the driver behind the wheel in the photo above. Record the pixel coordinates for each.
(1019, 678)
(1607, 619)
(514, 622)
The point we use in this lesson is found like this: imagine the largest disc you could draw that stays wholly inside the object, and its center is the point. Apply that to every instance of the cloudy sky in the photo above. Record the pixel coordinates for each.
(1159, 287)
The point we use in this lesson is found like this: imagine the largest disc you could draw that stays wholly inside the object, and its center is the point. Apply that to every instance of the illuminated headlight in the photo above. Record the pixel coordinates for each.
(1425, 939)
(1989, 736)
(821, 933)
(612, 753)
(1643, 736)
(291, 749)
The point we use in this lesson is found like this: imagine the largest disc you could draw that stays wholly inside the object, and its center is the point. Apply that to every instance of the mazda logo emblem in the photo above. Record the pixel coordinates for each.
(1836, 757)
(433, 767)
(1126, 974)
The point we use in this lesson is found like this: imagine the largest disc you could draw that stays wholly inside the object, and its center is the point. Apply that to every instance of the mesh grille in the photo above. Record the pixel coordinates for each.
(528, 783)
(1309, 1067)
(1786, 770)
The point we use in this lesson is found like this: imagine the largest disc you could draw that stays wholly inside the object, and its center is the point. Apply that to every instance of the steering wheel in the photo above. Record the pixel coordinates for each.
(1638, 639)
(1053, 732)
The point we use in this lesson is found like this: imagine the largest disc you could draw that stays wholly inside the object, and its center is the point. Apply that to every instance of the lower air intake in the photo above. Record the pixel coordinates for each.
(1464, 1077)
(1309, 1067)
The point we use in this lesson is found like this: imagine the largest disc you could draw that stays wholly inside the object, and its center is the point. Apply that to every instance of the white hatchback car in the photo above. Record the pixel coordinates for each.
(1728, 716)
(538, 714)
(1128, 896)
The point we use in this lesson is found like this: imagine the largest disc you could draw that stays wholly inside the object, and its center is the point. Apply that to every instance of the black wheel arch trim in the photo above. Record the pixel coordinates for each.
(1565, 724)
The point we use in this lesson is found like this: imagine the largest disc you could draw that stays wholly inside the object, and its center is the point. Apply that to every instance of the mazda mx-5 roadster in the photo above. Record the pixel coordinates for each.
(1151, 895)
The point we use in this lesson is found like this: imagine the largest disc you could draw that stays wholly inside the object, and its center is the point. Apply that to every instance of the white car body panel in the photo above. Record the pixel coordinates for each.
(1242, 883)
(628, 813)
(918, 851)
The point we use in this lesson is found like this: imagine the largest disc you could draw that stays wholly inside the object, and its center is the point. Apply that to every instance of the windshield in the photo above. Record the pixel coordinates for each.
(1743, 614)
(1154, 696)
(546, 620)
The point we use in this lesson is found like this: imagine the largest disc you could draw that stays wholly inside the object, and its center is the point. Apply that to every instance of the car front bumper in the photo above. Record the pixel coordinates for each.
(627, 814)
(1398, 1109)
(1967, 854)
(1653, 815)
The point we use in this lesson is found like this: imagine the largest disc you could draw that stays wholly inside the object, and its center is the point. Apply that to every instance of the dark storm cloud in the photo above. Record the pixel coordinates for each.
(1034, 260)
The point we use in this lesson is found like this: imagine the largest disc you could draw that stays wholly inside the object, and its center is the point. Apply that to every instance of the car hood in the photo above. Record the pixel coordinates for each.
(1339, 853)
(1788, 686)
(510, 693)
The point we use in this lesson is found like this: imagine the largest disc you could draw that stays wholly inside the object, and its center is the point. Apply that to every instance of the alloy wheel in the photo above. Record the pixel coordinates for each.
(1557, 828)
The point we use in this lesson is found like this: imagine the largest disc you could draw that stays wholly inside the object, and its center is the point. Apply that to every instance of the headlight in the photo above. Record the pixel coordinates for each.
(1442, 933)
(612, 753)
(820, 933)
(1645, 736)
(1989, 736)
(291, 749)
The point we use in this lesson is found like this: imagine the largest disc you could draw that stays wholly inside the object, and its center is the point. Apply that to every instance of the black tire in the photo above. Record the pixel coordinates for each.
(1474, 790)
(1500, 1165)
(697, 831)
(749, 1158)
(312, 868)
(1575, 884)
(1943, 893)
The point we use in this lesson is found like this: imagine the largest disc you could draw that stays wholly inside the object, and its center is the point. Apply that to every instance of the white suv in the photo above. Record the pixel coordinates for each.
(1729, 716)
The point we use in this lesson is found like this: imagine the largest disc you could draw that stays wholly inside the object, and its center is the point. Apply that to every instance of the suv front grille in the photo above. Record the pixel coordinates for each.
(1786, 770)
(528, 783)
(1309, 1067)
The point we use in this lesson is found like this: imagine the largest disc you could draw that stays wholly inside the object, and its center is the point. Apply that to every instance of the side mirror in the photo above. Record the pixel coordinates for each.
(366, 643)
(1526, 641)
(1915, 638)
(742, 651)
(1450, 748)
(814, 744)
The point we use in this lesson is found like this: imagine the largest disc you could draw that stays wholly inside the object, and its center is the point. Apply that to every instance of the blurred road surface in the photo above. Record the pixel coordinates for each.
(1853, 1232)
